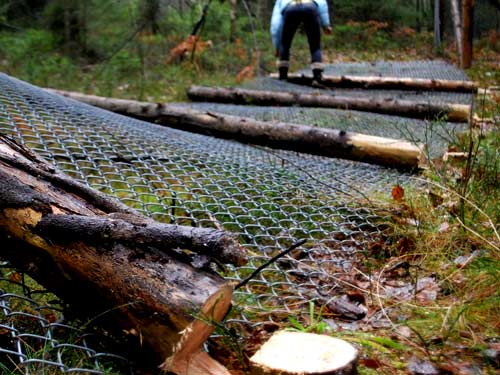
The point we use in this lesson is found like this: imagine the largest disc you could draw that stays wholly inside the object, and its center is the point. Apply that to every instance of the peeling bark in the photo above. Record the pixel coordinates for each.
(99, 255)
(408, 108)
(386, 83)
(319, 141)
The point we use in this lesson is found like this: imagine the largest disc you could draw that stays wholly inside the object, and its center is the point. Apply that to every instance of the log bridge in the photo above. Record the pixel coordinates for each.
(450, 112)
(385, 83)
(390, 152)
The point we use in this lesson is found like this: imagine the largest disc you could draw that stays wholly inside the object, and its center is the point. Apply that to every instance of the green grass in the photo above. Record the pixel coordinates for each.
(466, 311)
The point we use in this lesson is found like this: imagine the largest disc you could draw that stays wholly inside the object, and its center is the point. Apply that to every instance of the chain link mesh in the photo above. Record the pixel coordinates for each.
(269, 198)
(429, 69)
(34, 338)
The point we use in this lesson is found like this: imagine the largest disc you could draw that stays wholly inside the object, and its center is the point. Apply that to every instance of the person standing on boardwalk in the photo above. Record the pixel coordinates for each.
(286, 19)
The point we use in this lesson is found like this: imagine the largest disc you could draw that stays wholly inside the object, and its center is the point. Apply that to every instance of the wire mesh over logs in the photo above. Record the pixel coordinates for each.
(269, 198)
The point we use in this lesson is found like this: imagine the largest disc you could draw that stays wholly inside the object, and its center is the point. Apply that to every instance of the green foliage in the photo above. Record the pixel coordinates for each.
(486, 17)
(17, 45)
(362, 35)
(314, 322)
(391, 11)
(31, 56)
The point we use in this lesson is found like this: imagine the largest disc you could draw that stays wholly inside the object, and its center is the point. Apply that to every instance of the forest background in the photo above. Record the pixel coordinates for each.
(120, 49)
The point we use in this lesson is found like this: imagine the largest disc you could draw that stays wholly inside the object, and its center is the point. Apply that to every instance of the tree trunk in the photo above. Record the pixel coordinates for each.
(83, 18)
(407, 108)
(418, 21)
(292, 353)
(467, 32)
(73, 31)
(457, 26)
(443, 18)
(302, 138)
(232, 19)
(385, 83)
(150, 15)
(99, 255)
(437, 25)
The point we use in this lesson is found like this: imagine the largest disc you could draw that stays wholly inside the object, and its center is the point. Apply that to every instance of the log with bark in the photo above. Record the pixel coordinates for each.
(457, 26)
(319, 141)
(385, 83)
(467, 33)
(293, 353)
(100, 255)
(408, 108)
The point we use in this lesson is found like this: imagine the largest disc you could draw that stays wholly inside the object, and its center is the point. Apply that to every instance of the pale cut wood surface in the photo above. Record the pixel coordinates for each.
(293, 353)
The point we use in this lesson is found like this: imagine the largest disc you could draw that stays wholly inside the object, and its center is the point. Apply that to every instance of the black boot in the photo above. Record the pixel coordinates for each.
(283, 73)
(317, 75)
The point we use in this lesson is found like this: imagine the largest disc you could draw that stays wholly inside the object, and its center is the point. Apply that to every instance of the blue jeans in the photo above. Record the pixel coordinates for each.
(293, 16)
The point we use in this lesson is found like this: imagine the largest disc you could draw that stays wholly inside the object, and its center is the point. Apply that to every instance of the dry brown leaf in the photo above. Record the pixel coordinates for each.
(247, 73)
(15, 276)
(397, 193)
(186, 47)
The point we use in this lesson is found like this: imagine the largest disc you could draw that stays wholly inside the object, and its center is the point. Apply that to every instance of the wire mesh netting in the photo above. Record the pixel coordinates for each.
(34, 338)
(429, 69)
(269, 198)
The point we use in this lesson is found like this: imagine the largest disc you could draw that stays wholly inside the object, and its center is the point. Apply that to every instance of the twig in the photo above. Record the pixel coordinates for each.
(270, 261)
(4, 25)
(122, 45)
(201, 21)
(198, 27)
(475, 206)
(255, 43)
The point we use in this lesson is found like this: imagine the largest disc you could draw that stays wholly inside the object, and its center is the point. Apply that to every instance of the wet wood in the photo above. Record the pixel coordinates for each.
(129, 229)
(319, 141)
(408, 108)
(347, 307)
(101, 256)
(385, 83)
(293, 353)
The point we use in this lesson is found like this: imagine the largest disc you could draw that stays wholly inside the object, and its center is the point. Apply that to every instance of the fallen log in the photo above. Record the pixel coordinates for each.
(408, 108)
(302, 138)
(99, 255)
(385, 83)
(292, 353)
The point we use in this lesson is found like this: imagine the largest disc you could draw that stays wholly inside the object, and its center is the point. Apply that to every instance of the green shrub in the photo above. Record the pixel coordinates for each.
(391, 11)
(30, 56)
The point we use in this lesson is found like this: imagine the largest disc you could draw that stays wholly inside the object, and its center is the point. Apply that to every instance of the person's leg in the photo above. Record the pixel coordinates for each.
(291, 22)
(312, 28)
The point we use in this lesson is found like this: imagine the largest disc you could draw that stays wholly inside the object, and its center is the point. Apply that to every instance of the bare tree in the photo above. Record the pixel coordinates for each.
(232, 19)
(437, 24)
(457, 26)
(418, 25)
(150, 13)
(467, 32)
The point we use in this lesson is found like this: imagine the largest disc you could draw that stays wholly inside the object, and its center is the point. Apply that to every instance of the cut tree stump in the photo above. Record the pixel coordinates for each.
(100, 255)
(451, 112)
(300, 353)
(314, 140)
(385, 83)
